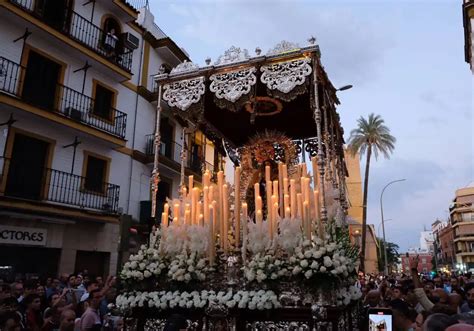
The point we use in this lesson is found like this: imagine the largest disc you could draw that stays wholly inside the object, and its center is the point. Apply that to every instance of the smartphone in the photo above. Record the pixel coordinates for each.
(380, 319)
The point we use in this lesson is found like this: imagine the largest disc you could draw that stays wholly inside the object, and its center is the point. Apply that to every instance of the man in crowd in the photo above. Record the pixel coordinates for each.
(468, 306)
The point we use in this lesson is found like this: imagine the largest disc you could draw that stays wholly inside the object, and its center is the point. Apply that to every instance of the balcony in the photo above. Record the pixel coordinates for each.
(57, 187)
(172, 151)
(66, 102)
(76, 27)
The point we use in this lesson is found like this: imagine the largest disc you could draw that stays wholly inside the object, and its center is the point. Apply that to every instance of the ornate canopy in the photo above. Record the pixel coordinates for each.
(239, 96)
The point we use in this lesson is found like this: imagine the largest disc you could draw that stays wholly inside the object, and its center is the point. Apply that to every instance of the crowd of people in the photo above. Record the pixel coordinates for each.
(442, 302)
(81, 302)
(76, 302)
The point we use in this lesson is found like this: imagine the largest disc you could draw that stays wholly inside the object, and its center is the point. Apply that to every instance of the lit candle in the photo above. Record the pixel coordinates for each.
(314, 162)
(256, 188)
(194, 199)
(306, 219)
(267, 173)
(275, 219)
(176, 214)
(284, 170)
(225, 222)
(214, 217)
(275, 188)
(201, 219)
(220, 183)
(211, 236)
(244, 230)
(287, 213)
(259, 203)
(268, 187)
(187, 217)
(237, 206)
(299, 201)
(279, 194)
(198, 213)
(286, 202)
(259, 217)
(206, 203)
(285, 186)
(190, 183)
(184, 192)
(304, 171)
(206, 178)
(293, 198)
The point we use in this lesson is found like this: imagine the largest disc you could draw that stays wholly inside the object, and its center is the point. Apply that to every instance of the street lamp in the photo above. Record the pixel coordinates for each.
(378, 235)
(345, 87)
(383, 225)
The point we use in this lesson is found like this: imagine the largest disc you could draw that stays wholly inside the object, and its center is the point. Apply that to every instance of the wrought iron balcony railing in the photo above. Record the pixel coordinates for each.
(172, 150)
(59, 187)
(77, 28)
(67, 102)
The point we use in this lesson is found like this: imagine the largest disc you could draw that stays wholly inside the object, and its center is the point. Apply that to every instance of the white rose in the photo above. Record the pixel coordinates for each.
(304, 263)
(308, 274)
(322, 269)
(307, 254)
(147, 274)
(296, 270)
(314, 265)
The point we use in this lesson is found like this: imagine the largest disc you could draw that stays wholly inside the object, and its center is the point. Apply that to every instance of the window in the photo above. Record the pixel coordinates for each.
(96, 171)
(104, 100)
(423, 260)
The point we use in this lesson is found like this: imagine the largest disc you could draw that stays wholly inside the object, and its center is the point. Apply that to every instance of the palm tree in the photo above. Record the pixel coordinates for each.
(370, 136)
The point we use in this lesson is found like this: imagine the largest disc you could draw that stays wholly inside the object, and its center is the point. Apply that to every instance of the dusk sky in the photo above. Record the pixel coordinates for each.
(406, 62)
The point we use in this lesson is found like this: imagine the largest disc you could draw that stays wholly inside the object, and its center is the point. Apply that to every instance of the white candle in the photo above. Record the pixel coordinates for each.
(258, 217)
(268, 186)
(225, 223)
(287, 213)
(256, 188)
(267, 173)
(293, 198)
(237, 206)
(190, 183)
(201, 219)
(299, 201)
(284, 170)
(244, 230)
(275, 219)
(176, 213)
(214, 217)
(306, 219)
(286, 202)
(211, 236)
(206, 203)
(259, 203)
(194, 199)
(199, 212)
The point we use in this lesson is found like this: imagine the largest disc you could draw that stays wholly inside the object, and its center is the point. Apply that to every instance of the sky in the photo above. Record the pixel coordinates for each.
(405, 59)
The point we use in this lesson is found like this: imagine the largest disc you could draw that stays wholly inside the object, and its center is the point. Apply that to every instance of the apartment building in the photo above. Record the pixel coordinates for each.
(77, 115)
(462, 222)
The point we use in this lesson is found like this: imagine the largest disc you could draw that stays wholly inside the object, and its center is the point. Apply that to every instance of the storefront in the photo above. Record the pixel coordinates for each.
(46, 247)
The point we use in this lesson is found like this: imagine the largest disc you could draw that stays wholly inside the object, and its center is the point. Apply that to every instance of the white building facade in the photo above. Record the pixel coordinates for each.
(77, 116)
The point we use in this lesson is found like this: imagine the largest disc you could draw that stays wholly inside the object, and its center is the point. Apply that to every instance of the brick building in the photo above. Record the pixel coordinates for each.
(424, 264)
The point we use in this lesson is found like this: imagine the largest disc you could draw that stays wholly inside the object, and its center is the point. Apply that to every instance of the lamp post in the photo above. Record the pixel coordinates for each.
(383, 225)
(378, 235)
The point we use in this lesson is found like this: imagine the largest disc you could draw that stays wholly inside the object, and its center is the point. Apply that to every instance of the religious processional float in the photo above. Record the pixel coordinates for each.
(266, 247)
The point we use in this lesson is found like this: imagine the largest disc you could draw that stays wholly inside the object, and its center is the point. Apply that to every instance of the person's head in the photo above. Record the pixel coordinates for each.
(57, 300)
(49, 280)
(397, 293)
(100, 281)
(420, 318)
(118, 325)
(10, 321)
(33, 302)
(71, 281)
(30, 287)
(470, 294)
(5, 292)
(66, 320)
(437, 281)
(40, 290)
(439, 295)
(460, 327)
(91, 286)
(455, 300)
(438, 322)
(9, 304)
(63, 278)
(55, 283)
(17, 289)
(112, 31)
(78, 280)
(373, 298)
(401, 315)
(94, 299)
(454, 282)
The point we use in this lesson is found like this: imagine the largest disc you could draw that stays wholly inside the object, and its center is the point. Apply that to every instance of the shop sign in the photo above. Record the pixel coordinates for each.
(22, 236)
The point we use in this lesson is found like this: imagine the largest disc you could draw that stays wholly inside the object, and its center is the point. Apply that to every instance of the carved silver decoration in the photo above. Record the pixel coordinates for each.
(258, 51)
(182, 94)
(285, 76)
(233, 85)
(208, 61)
(283, 47)
(233, 55)
(183, 67)
(312, 40)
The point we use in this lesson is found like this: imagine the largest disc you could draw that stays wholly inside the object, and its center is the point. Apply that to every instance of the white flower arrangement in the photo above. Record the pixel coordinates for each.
(319, 257)
(145, 264)
(345, 295)
(265, 267)
(258, 238)
(186, 267)
(253, 300)
(290, 235)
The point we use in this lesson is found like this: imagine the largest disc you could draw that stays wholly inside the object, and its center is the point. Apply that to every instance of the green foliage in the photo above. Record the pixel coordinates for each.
(392, 253)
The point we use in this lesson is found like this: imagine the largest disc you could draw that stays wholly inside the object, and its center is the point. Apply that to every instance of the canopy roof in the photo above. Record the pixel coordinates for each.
(239, 96)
